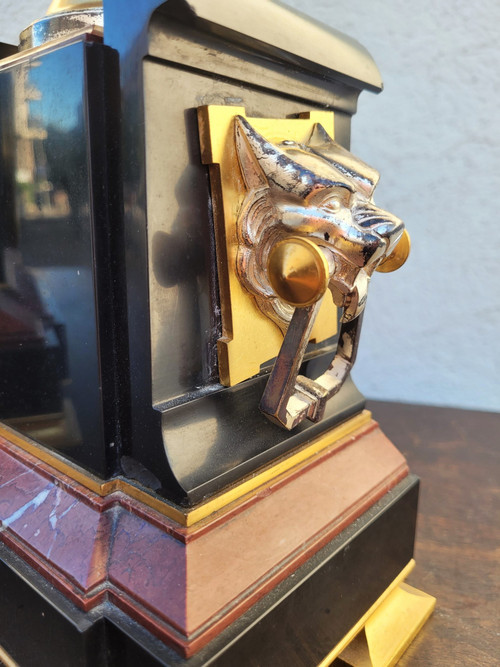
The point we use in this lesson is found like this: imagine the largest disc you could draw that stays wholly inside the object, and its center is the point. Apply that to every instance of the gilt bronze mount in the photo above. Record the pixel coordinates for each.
(303, 221)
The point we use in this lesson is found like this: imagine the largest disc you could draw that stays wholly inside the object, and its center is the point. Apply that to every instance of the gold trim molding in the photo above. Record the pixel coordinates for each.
(219, 503)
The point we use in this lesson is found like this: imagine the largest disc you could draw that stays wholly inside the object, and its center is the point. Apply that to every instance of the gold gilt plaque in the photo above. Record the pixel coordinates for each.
(249, 339)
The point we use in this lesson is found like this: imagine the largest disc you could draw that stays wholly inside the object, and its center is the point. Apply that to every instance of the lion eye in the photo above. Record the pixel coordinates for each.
(332, 205)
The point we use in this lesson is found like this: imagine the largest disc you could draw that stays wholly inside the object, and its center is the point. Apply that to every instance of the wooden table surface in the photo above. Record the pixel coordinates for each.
(456, 453)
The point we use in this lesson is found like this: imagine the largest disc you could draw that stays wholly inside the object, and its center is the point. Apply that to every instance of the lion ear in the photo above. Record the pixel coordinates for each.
(251, 170)
(319, 137)
(280, 165)
(358, 174)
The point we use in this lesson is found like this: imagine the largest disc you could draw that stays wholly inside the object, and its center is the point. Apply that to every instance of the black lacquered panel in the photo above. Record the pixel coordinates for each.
(50, 374)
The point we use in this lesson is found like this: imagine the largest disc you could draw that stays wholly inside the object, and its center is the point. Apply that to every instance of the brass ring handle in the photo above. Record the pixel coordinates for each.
(289, 398)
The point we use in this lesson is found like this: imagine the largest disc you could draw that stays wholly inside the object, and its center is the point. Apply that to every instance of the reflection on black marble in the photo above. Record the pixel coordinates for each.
(49, 384)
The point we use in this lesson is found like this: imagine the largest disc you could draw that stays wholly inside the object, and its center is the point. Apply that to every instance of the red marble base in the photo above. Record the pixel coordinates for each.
(187, 584)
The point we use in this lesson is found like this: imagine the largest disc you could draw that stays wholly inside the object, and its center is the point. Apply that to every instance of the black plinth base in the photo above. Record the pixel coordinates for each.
(297, 623)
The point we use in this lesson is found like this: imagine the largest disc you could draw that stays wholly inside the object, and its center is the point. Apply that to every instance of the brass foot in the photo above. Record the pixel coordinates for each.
(384, 633)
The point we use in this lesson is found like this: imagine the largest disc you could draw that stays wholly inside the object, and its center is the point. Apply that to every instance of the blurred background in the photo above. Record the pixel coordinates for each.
(431, 332)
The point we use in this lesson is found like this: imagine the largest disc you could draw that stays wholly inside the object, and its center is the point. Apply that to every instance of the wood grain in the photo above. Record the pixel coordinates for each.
(457, 455)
